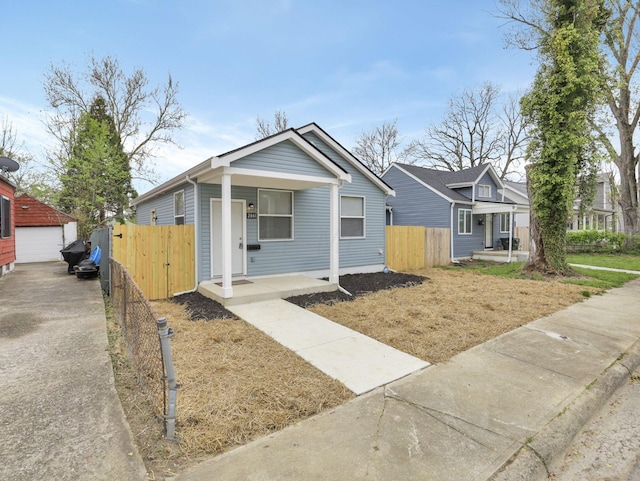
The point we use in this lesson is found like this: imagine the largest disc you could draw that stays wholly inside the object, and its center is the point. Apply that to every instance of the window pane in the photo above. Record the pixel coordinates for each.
(352, 227)
(352, 206)
(6, 218)
(275, 228)
(179, 203)
(275, 202)
(180, 220)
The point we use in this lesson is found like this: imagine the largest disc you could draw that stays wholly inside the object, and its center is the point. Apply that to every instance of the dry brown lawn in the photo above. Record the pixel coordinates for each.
(236, 383)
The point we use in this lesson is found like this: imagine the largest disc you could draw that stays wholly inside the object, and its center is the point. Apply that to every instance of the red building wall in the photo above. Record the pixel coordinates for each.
(8, 245)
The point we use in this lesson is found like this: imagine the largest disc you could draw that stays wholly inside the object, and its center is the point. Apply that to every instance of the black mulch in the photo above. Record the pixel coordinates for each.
(358, 285)
(201, 307)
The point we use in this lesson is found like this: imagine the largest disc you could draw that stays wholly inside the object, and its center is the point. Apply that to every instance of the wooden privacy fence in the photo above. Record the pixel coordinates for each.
(160, 259)
(522, 233)
(416, 247)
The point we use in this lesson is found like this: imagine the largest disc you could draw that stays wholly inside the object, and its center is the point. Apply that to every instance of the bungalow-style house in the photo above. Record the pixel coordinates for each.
(473, 203)
(296, 202)
(7, 228)
(41, 230)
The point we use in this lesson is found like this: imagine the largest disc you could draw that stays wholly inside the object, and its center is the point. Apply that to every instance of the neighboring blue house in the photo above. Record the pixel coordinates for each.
(294, 203)
(473, 203)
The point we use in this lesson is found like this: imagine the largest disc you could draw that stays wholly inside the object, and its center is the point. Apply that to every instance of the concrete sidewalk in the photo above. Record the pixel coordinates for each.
(359, 362)
(60, 414)
(493, 412)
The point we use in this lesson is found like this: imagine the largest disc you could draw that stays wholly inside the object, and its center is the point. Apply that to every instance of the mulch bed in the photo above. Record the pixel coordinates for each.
(201, 307)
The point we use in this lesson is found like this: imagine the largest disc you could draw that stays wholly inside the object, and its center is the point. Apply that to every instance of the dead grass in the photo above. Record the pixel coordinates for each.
(236, 383)
(452, 312)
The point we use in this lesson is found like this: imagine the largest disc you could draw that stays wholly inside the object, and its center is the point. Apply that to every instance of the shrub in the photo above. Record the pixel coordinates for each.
(595, 240)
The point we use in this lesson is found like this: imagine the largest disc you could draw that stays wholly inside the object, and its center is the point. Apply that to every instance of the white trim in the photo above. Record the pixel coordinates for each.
(348, 156)
(437, 192)
(153, 217)
(501, 214)
(284, 176)
(465, 221)
(184, 207)
(276, 215)
(482, 187)
(296, 139)
(334, 235)
(363, 217)
(244, 237)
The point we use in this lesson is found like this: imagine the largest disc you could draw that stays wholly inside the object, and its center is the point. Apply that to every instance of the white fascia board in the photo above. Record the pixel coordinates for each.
(294, 137)
(170, 184)
(457, 185)
(435, 191)
(497, 208)
(347, 156)
(286, 176)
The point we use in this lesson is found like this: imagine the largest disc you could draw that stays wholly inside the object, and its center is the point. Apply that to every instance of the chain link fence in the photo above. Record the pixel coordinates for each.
(147, 343)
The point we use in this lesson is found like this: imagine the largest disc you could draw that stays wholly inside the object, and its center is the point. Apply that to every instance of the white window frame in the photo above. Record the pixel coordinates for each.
(463, 212)
(363, 217)
(176, 215)
(291, 216)
(504, 223)
(4, 214)
(481, 191)
(153, 217)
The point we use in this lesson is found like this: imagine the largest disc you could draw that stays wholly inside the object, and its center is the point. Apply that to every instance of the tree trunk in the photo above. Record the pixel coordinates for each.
(537, 260)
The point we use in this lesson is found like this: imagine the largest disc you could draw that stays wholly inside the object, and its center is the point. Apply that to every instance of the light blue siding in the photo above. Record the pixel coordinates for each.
(371, 249)
(415, 204)
(283, 157)
(463, 244)
(486, 179)
(164, 208)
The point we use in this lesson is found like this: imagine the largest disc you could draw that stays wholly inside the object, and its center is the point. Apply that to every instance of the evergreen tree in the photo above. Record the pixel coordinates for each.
(96, 183)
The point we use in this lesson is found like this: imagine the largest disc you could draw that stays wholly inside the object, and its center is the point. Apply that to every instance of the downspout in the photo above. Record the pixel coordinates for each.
(451, 230)
(510, 235)
(196, 227)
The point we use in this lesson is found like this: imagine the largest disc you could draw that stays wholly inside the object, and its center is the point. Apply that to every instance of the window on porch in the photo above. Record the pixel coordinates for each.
(275, 215)
(504, 223)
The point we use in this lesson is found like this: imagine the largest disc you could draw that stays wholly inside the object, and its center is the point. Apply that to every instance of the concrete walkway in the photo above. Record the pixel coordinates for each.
(359, 362)
(60, 414)
(499, 411)
(597, 268)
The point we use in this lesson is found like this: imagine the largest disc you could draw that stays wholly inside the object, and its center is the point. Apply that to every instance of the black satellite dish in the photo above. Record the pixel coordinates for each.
(8, 165)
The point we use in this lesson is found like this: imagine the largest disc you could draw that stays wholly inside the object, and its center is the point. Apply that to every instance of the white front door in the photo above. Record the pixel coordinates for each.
(238, 245)
(488, 231)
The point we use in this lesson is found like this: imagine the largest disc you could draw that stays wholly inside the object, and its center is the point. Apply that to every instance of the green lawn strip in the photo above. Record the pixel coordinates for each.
(615, 261)
(600, 279)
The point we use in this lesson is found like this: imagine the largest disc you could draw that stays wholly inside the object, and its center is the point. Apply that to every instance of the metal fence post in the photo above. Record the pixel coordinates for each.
(170, 416)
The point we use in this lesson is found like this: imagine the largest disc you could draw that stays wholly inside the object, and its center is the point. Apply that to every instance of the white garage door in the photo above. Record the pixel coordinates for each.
(38, 244)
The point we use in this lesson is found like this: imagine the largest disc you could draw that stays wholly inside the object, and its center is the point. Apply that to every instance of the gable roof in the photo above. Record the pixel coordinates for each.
(432, 179)
(204, 171)
(348, 156)
(30, 212)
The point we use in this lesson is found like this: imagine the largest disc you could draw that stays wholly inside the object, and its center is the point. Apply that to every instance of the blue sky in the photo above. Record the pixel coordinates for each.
(348, 65)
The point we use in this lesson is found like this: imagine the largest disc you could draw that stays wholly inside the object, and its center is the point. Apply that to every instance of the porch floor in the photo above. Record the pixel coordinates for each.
(500, 256)
(264, 289)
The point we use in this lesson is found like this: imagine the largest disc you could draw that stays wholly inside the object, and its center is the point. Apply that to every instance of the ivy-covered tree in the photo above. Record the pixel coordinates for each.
(559, 106)
(96, 183)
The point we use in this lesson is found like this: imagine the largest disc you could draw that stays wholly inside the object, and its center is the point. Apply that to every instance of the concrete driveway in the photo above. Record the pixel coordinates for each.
(59, 412)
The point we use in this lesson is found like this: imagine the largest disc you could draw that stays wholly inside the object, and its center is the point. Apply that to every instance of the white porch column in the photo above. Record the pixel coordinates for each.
(334, 233)
(227, 287)
(510, 235)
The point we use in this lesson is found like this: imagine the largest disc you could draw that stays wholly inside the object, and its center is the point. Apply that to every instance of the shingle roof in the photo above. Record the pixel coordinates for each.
(30, 212)
(438, 179)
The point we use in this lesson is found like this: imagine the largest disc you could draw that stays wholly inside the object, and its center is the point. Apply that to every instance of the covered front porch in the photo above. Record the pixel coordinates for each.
(265, 288)
(500, 256)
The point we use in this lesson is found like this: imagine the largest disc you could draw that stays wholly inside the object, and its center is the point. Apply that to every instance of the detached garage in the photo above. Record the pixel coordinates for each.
(41, 230)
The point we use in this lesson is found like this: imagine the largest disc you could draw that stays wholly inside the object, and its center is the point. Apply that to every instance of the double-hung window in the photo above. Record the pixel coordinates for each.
(352, 217)
(5, 217)
(504, 223)
(464, 221)
(275, 215)
(178, 207)
(484, 191)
